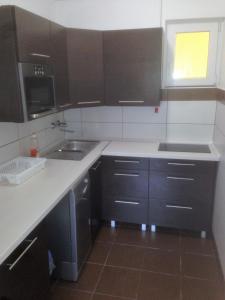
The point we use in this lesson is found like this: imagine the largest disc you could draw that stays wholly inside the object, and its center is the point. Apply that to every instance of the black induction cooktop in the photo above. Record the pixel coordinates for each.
(194, 148)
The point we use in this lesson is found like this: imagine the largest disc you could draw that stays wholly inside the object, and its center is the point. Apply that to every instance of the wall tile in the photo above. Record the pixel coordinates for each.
(220, 116)
(76, 127)
(145, 114)
(219, 140)
(102, 114)
(9, 151)
(151, 132)
(191, 112)
(190, 133)
(8, 133)
(73, 115)
(102, 131)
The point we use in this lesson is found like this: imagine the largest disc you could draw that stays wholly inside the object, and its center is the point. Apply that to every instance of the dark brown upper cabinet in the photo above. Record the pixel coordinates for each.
(10, 96)
(24, 37)
(132, 66)
(33, 36)
(85, 66)
(59, 63)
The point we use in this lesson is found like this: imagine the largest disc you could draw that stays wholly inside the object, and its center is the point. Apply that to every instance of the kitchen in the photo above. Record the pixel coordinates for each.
(124, 103)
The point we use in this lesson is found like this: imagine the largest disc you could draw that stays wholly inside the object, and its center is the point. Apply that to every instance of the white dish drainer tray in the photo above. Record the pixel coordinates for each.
(20, 169)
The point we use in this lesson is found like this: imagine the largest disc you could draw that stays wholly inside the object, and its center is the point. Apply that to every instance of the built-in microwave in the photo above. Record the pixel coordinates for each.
(37, 90)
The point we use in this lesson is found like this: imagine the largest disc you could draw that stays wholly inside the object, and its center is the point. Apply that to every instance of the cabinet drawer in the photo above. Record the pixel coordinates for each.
(126, 163)
(183, 166)
(25, 275)
(194, 190)
(125, 183)
(126, 209)
(179, 216)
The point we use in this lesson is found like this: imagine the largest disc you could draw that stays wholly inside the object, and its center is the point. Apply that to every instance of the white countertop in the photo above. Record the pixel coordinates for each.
(150, 150)
(23, 207)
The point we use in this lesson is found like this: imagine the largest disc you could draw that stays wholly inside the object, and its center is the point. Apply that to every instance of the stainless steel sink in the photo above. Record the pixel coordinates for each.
(72, 150)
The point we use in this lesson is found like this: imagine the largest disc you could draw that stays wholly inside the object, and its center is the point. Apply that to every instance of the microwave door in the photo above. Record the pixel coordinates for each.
(40, 96)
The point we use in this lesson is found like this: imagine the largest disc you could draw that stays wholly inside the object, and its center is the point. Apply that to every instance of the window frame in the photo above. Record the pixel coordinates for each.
(187, 26)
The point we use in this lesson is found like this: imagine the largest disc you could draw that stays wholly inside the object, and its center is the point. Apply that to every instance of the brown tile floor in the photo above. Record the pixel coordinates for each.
(128, 264)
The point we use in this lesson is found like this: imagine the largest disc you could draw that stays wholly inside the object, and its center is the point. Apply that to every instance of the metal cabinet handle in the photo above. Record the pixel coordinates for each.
(31, 243)
(85, 189)
(127, 161)
(130, 101)
(181, 164)
(179, 207)
(40, 55)
(127, 202)
(127, 175)
(97, 166)
(65, 105)
(180, 178)
(89, 102)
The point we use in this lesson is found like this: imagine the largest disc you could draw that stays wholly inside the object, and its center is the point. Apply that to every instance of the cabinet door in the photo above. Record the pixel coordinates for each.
(33, 37)
(85, 64)
(132, 61)
(96, 198)
(24, 275)
(59, 62)
(10, 98)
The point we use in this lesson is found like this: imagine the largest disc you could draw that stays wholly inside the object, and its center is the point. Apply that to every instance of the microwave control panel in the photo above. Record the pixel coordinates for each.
(39, 70)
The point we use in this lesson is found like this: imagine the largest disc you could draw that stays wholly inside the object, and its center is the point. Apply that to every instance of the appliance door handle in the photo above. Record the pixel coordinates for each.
(42, 114)
(127, 161)
(126, 175)
(65, 105)
(179, 207)
(89, 102)
(130, 101)
(127, 202)
(85, 189)
(97, 166)
(181, 164)
(17, 260)
(180, 178)
(40, 55)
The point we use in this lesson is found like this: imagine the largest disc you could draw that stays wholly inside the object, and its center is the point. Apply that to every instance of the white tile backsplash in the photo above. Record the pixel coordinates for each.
(190, 133)
(143, 131)
(102, 131)
(220, 116)
(8, 133)
(176, 121)
(15, 138)
(105, 114)
(145, 114)
(73, 115)
(191, 112)
(76, 130)
(9, 151)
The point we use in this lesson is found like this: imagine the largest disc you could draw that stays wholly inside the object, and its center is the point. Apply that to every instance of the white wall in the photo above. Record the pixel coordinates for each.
(107, 14)
(186, 9)
(39, 7)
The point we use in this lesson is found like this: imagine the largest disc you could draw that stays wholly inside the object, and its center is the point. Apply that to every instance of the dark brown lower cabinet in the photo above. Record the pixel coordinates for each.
(125, 189)
(181, 193)
(24, 275)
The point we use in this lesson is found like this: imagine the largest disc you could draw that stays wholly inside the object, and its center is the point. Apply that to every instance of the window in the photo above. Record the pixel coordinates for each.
(192, 53)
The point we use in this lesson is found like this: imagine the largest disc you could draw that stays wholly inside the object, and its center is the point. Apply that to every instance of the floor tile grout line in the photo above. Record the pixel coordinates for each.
(119, 297)
(100, 274)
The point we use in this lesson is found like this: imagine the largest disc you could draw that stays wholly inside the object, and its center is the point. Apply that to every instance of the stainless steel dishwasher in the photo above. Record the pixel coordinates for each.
(69, 231)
